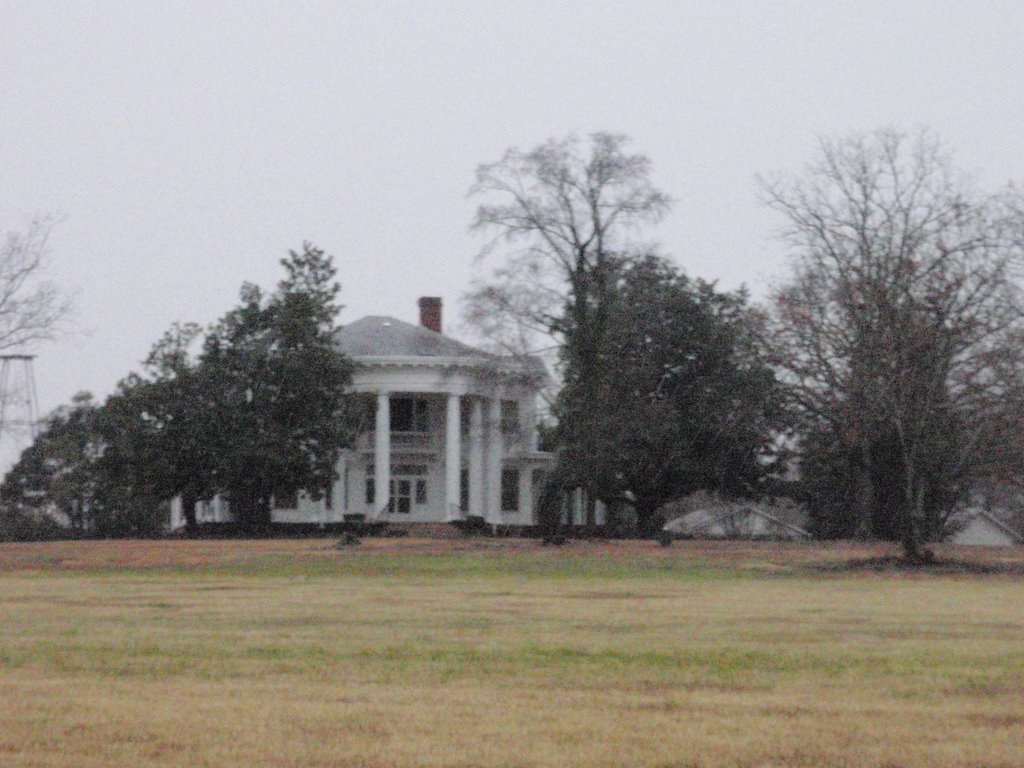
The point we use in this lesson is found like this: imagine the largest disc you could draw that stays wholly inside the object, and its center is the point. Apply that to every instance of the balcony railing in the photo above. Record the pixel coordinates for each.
(432, 441)
(410, 441)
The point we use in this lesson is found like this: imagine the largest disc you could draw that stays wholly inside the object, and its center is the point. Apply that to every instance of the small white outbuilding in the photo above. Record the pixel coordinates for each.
(984, 529)
(746, 521)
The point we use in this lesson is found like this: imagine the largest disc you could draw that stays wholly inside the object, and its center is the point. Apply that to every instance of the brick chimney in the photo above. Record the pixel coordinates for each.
(430, 312)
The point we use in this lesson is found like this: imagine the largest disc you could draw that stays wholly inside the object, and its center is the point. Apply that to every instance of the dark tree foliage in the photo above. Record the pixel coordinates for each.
(21, 522)
(165, 439)
(69, 472)
(275, 390)
(664, 390)
(259, 411)
(850, 496)
(570, 211)
(681, 397)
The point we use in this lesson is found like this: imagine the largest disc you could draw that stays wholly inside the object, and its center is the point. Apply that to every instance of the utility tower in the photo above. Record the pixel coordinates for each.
(19, 402)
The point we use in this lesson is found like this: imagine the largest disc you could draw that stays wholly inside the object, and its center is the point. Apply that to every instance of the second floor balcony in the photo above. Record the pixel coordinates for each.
(427, 442)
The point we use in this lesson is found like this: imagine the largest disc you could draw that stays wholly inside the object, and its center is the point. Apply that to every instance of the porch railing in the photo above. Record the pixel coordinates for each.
(416, 441)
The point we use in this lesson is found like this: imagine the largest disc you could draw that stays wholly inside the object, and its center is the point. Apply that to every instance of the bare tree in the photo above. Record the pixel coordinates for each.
(568, 213)
(31, 308)
(901, 327)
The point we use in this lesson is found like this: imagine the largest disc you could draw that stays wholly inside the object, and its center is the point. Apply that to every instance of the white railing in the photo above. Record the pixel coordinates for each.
(420, 441)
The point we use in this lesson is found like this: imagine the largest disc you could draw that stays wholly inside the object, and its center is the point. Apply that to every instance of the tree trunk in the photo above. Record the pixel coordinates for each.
(865, 494)
(591, 526)
(261, 517)
(251, 512)
(910, 509)
(188, 510)
(549, 510)
(646, 520)
(912, 549)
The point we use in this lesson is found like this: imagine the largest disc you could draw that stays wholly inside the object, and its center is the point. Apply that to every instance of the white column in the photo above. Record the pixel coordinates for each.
(493, 462)
(177, 513)
(337, 492)
(476, 458)
(382, 455)
(453, 458)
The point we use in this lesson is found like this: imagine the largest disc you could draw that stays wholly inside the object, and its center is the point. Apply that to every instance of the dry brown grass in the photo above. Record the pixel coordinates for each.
(502, 653)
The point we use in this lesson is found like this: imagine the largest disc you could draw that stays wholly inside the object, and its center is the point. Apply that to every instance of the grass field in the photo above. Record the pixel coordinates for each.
(503, 653)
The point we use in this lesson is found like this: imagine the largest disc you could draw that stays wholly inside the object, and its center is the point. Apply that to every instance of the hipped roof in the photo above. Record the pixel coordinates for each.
(382, 336)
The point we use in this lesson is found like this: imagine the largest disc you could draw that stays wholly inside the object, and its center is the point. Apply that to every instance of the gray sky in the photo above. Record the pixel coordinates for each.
(190, 145)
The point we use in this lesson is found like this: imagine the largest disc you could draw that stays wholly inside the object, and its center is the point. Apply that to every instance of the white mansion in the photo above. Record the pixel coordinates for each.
(448, 432)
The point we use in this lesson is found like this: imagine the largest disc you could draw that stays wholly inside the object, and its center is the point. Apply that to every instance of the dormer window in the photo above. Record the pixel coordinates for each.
(409, 414)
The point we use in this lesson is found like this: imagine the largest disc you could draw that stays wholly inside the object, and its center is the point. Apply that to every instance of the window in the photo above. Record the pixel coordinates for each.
(371, 490)
(408, 414)
(510, 490)
(421, 491)
(464, 490)
(510, 417)
(401, 497)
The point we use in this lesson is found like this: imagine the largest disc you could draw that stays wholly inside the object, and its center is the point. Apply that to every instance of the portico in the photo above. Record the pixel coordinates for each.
(471, 451)
(444, 431)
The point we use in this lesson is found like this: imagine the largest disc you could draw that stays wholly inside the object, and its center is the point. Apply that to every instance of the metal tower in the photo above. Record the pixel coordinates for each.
(18, 399)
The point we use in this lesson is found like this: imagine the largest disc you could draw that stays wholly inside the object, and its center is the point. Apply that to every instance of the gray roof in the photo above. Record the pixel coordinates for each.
(382, 336)
(1002, 520)
(701, 520)
(379, 336)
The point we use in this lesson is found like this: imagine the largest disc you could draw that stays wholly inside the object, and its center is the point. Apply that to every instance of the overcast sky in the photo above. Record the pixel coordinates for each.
(190, 145)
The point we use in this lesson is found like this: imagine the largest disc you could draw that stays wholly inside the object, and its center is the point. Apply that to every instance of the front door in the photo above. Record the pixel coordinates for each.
(409, 491)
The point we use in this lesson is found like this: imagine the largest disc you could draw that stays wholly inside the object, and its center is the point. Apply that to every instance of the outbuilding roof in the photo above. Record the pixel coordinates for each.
(702, 521)
(1003, 526)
